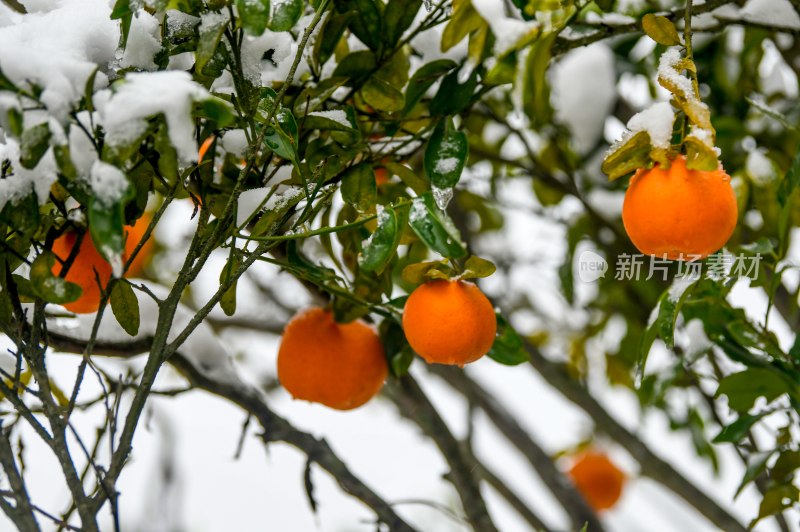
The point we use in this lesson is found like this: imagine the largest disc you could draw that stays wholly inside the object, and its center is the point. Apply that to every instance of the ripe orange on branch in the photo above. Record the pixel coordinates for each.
(339, 365)
(449, 322)
(133, 235)
(598, 479)
(82, 270)
(679, 213)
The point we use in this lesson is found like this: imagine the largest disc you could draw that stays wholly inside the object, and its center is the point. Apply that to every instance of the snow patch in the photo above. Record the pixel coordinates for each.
(108, 182)
(657, 121)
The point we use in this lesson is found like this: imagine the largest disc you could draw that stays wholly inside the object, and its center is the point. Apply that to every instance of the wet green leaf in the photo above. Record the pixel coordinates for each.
(379, 248)
(285, 14)
(446, 155)
(508, 347)
(435, 228)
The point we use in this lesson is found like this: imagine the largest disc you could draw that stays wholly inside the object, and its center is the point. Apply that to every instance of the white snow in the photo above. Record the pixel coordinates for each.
(143, 42)
(696, 339)
(760, 168)
(778, 13)
(678, 287)
(124, 111)
(657, 120)
(81, 149)
(235, 142)
(335, 115)
(507, 31)
(418, 210)
(446, 165)
(580, 104)
(21, 181)
(57, 50)
(609, 19)
(108, 183)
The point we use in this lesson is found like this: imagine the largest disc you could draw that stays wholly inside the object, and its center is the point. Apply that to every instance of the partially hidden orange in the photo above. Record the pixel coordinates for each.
(598, 479)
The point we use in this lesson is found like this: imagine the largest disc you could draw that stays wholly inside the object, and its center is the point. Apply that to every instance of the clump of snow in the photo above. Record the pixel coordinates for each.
(759, 168)
(124, 112)
(81, 149)
(235, 142)
(418, 211)
(19, 182)
(581, 106)
(58, 50)
(446, 165)
(335, 115)
(264, 72)
(507, 31)
(143, 42)
(778, 13)
(679, 286)
(609, 19)
(657, 120)
(203, 349)
(108, 183)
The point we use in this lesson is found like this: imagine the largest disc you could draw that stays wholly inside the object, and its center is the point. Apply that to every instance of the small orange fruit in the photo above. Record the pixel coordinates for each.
(133, 235)
(201, 153)
(381, 176)
(82, 271)
(597, 479)
(449, 322)
(340, 365)
(679, 213)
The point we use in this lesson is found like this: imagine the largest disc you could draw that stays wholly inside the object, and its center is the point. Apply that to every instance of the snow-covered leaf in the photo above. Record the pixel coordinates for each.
(446, 155)
(435, 228)
(629, 155)
(47, 285)
(379, 248)
(285, 14)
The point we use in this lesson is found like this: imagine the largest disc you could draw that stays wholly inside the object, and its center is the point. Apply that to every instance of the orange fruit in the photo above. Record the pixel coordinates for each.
(340, 365)
(679, 213)
(449, 322)
(82, 270)
(381, 176)
(201, 153)
(597, 479)
(133, 235)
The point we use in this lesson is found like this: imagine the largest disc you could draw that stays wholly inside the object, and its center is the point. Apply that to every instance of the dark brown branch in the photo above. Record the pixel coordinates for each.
(650, 464)
(576, 507)
(276, 428)
(413, 404)
(22, 512)
(511, 498)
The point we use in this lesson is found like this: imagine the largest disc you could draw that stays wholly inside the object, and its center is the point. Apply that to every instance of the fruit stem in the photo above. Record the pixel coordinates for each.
(687, 42)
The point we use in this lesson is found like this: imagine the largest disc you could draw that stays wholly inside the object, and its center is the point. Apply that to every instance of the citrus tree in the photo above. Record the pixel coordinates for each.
(618, 177)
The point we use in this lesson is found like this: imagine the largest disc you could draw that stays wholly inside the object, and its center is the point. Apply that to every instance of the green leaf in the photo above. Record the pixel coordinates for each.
(33, 145)
(282, 142)
(217, 110)
(210, 35)
(106, 225)
(49, 287)
(285, 14)
(379, 248)
(366, 24)
(167, 155)
(382, 95)
(446, 155)
(325, 122)
(475, 268)
(358, 187)
(776, 499)
(397, 18)
(423, 78)
(398, 352)
(415, 182)
(787, 463)
(254, 15)
(125, 306)
(273, 218)
(453, 96)
(122, 11)
(311, 98)
(357, 66)
(660, 29)
(435, 228)
(535, 88)
(755, 465)
(745, 387)
(699, 155)
(736, 431)
(463, 21)
(661, 324)
(632, 154)
(508, 347)
(228, 300)
(422, 272)
(330, 34)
